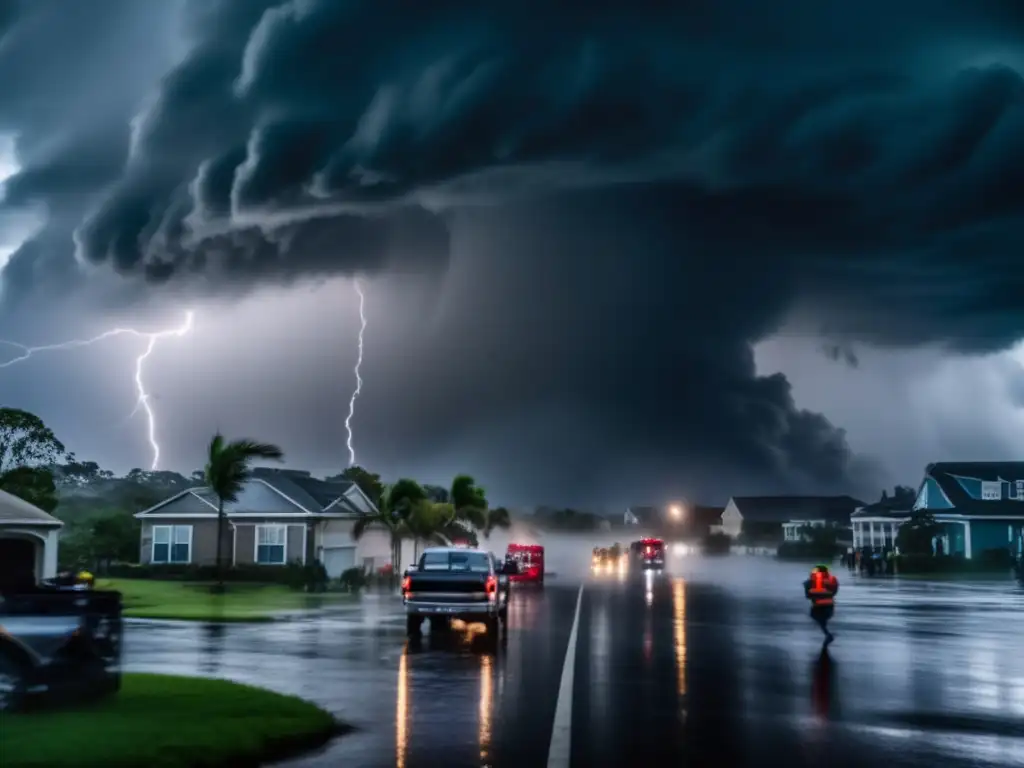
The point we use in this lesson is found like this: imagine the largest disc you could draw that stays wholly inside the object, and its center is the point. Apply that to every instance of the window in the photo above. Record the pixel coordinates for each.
(991, 491)
(172, 544)
(475, 562)
(271, 543)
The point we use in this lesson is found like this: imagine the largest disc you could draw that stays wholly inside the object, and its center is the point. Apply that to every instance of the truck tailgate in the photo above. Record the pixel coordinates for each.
(447, 586)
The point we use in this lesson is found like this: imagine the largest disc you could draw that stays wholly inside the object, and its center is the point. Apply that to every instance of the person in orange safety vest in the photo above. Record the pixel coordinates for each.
(821, 589)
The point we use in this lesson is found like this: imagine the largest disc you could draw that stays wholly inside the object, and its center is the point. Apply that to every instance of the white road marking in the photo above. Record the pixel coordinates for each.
(560, 749)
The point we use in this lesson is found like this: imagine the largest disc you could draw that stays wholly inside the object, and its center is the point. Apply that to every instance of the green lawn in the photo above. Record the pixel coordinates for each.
(190, 601)
(168, 722)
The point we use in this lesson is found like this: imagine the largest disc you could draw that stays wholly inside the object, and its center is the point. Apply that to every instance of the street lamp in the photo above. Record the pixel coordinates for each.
(675, 512)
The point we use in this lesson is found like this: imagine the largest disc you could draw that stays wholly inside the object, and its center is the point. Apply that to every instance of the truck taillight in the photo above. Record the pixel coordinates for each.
(492, 585)
(406, 583)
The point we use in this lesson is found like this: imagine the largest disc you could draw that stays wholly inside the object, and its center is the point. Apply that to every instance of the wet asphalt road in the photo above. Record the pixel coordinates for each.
(715, 664)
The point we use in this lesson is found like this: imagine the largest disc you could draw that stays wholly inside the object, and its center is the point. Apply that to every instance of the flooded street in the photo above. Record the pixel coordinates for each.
(715, 663)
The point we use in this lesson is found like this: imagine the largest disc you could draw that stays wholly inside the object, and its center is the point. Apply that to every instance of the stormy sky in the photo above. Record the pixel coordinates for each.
(618, 257)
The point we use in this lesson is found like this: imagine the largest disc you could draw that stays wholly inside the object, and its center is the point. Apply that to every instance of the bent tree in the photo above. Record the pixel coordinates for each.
(28, 450)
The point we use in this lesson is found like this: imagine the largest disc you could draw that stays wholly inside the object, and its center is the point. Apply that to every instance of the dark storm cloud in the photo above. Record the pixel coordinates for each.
(860, 160)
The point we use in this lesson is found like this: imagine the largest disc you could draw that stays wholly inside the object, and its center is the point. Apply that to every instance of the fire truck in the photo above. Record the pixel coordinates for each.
(530, 559)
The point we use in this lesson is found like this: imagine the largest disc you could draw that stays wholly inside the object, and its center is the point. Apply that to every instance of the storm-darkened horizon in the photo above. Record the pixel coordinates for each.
(625, 257)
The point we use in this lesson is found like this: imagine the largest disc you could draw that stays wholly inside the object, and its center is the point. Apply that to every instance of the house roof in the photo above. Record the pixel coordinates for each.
(703, 515)
(780, 509)
(948, 476)
(16, 511)
(269, 492)
(885, 508)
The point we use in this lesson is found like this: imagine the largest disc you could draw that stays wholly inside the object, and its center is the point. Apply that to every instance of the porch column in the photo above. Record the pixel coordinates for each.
(856, 534)
(872, 528)
(50, 547)
(967, 539)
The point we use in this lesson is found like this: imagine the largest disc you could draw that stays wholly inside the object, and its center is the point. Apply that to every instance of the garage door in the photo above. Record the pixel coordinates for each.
(337, 560)
(17, 563)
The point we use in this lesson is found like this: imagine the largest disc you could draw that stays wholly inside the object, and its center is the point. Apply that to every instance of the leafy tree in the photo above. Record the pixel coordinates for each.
(227, 469)
(33, 484)
(437, 494)
(404, 496)
(115, 537)
(915, 536)
(28, 448)
(25, 441)
(903, 497)
(369, 482)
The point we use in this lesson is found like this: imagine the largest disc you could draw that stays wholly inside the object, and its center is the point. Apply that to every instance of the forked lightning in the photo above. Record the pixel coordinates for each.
(143, 397)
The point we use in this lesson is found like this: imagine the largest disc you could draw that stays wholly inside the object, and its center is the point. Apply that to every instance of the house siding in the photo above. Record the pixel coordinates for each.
(245, 540)
(991, 534)
(732, 520)
(204, 540)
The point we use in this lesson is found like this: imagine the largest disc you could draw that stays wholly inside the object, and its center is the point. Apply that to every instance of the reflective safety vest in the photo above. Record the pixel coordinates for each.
(823, 589)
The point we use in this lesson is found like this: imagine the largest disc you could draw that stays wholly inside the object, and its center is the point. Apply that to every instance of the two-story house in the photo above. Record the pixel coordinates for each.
(978, 505)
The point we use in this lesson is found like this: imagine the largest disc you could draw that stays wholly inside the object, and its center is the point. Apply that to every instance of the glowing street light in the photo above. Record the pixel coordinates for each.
(675, 512)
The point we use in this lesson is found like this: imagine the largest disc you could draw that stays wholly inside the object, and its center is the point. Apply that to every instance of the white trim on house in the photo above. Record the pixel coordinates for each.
(234, 544)
(241, 515)
(170, 545)
(33, 523)
(148, 512)
(305, 542)
(991, 490)
(256, 543)
(365, 498)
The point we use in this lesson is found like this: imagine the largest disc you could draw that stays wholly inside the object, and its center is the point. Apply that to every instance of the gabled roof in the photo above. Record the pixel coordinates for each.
(268, 492)
(781, 509)
(17, 511)
(951, 476)
(643, 515)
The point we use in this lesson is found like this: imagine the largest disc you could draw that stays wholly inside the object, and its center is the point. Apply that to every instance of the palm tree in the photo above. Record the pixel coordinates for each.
(227, 469)
(494, 518)
(468, 502)
(390, 519)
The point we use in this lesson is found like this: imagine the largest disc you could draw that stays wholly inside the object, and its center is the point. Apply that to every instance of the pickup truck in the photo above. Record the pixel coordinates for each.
(456, 583)
(58, 644)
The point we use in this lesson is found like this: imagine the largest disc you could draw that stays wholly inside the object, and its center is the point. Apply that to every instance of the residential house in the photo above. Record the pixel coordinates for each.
(876, 525)
(781, 518)
(281, 516)
(979, 507)
(28, 541)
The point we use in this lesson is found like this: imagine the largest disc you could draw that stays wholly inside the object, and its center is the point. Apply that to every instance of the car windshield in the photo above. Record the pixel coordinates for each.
(476, 562)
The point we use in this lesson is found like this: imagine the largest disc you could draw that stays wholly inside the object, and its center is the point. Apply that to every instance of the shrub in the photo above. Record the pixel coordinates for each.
(716, 544)
(353, 579)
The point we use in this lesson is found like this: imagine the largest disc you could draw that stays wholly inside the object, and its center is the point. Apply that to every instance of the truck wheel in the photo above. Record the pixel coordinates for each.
(413, 624)
(503, 615)
(492, 626)
(12, 684)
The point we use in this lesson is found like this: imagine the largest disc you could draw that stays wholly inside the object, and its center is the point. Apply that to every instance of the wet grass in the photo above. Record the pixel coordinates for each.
(169, 722)
(193, 601)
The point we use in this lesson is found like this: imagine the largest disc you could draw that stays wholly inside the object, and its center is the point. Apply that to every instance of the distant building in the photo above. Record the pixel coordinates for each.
(780, 518)
(979, 507)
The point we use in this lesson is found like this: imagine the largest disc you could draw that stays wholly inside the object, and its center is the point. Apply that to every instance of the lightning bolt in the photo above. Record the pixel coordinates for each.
(143, 397)
(359, 379)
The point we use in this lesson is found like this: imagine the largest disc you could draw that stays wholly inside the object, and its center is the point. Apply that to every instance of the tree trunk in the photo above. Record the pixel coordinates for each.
(220, 543)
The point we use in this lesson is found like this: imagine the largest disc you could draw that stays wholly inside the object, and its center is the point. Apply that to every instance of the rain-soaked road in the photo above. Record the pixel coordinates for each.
(716, 664)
